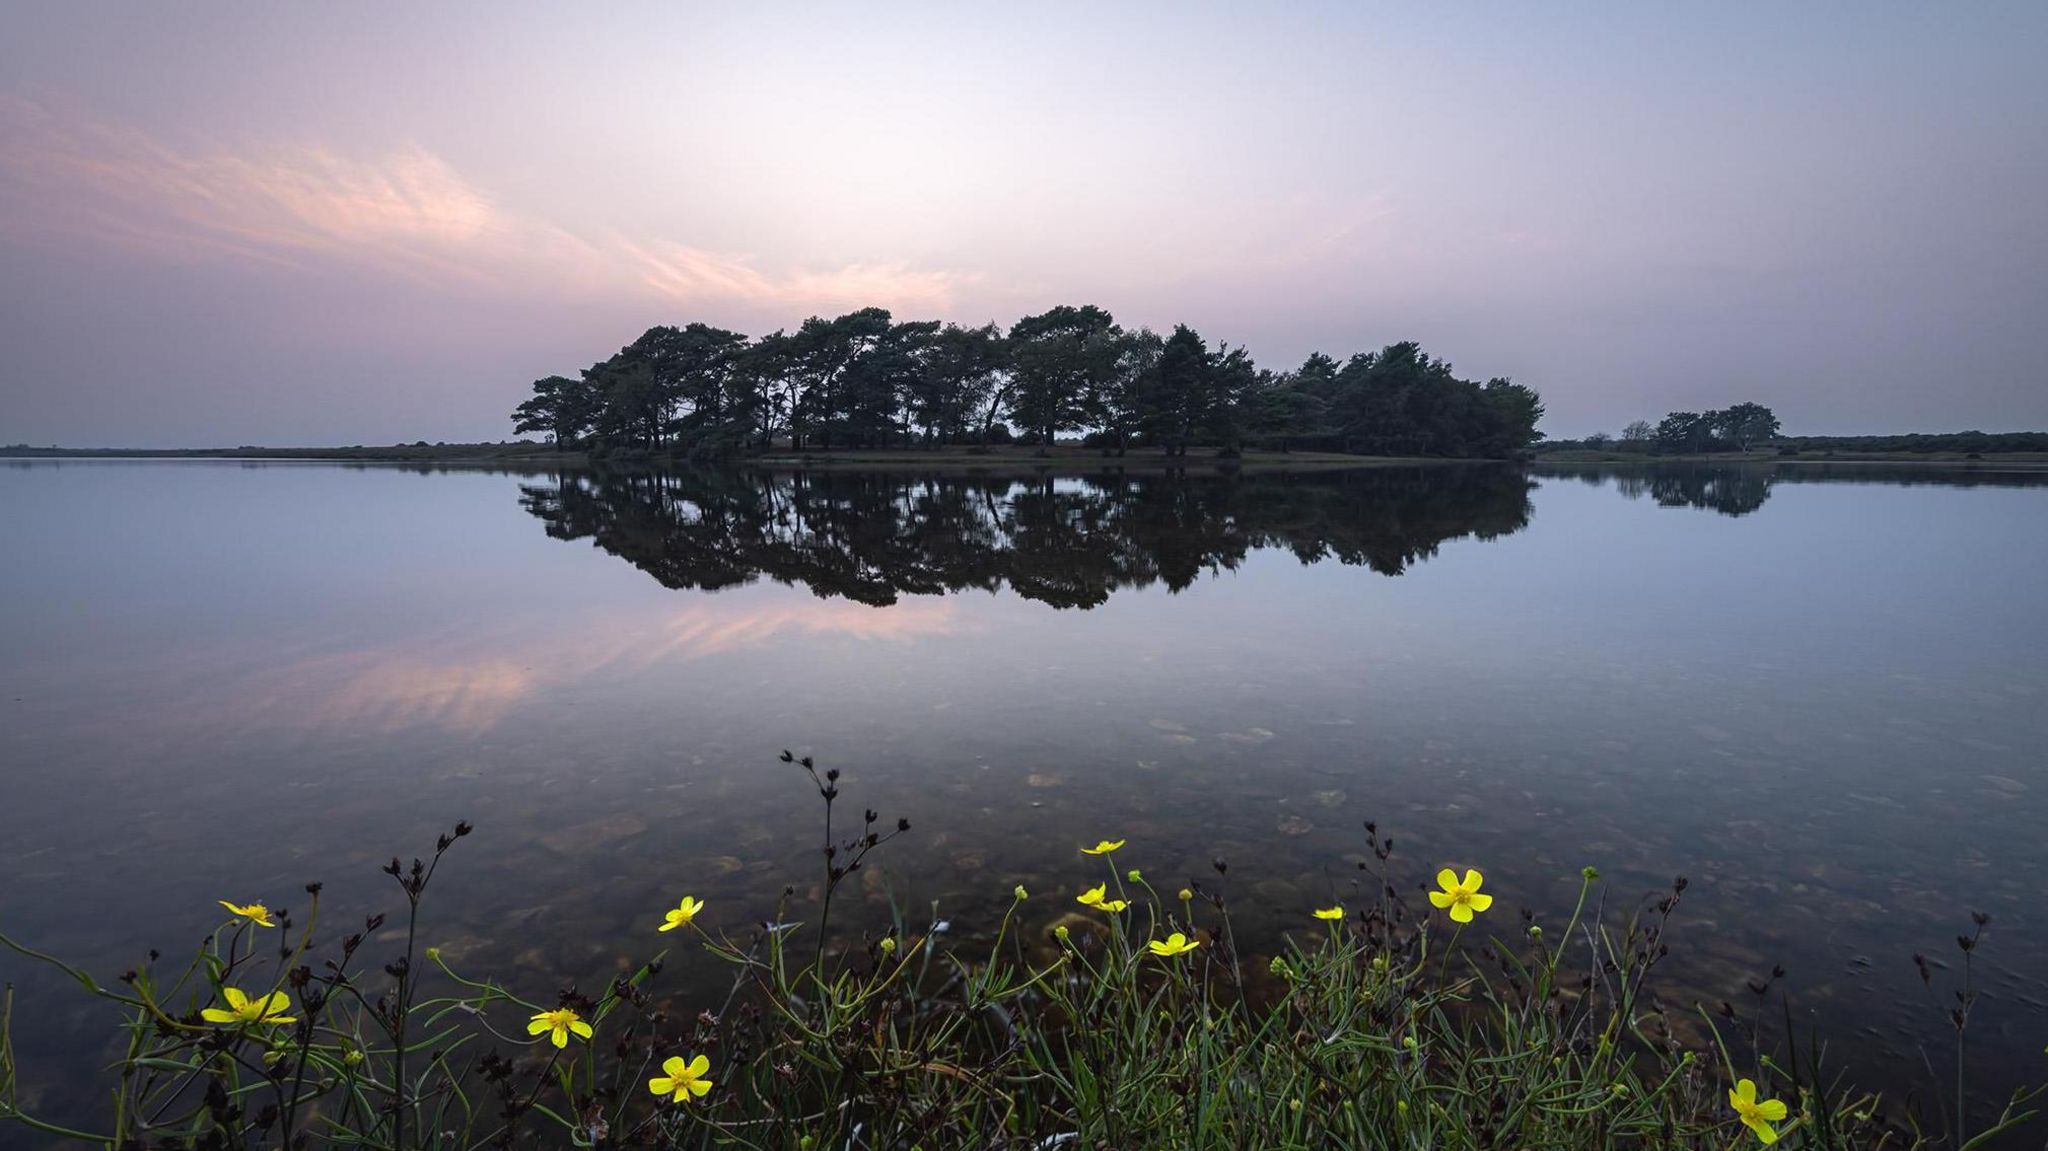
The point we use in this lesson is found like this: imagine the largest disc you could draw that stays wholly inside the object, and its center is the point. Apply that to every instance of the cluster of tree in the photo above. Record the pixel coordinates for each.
(865, 379)
(874, 537)
(1741, 428)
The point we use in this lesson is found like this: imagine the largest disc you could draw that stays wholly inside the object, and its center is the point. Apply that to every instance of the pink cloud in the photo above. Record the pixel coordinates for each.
(66, 181)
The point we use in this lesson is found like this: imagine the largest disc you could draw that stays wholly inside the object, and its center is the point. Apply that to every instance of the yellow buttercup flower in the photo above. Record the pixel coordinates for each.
(1173, 945)
(1460, 897)
(1102, 847)
(1756, 1114)
(682, 915)
(1097, 897)
(684, 1080)
(1336, 912)
(557, 1025)
(269, 1008)
(255, 913)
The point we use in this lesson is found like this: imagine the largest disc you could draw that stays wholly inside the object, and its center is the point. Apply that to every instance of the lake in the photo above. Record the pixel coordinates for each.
(1818, 692)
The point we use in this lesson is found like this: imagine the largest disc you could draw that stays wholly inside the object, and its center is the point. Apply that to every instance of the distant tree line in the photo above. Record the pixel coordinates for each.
(1964, 442)
(1749, 427)
(865, 379)
(1742, 428)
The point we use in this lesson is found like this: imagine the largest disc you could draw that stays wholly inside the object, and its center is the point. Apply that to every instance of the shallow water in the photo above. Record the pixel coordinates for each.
(1820, 694)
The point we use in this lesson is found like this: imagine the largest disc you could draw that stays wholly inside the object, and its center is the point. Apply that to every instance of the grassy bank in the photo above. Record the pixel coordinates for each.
(1395, 1021)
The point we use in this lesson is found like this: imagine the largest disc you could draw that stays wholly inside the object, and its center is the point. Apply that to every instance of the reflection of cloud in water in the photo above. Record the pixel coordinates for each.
(387, 691)
(392, 693)
(703, 629)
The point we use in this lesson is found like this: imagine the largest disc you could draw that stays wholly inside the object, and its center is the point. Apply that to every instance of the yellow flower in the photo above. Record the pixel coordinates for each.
(1460, 897)
(1336, 912)
(269, 1008)
(1173, 945)
(1755, 1115)
(1102, 847)
(560, 1022)
(255, 913)
(1097, 897)
(683, 1079)
(682, 915)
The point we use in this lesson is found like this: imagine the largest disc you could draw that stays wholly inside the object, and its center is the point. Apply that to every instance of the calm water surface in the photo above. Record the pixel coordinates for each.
(1822, 696)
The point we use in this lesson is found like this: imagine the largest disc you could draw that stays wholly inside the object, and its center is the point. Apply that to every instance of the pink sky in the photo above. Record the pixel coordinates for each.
(248, 224)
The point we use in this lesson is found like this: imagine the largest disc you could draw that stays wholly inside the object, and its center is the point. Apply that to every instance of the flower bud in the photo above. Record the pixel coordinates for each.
(888, 945)
(1020, 893)
(1133, 876)
(1186, 896)
(1060, 933)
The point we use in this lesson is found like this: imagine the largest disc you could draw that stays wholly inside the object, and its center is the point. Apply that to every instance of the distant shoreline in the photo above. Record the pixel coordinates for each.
(2028, 460)
(1062, 457)
(1066, 457)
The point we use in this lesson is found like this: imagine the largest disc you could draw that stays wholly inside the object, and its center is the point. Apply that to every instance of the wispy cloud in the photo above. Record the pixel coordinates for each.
(68, 180)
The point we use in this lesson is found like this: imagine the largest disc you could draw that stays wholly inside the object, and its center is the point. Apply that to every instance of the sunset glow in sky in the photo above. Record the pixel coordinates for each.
(243, 223)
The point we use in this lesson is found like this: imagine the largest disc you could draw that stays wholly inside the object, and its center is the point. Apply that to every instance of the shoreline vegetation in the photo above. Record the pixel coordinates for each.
(1409, 1010)
(1061, 457)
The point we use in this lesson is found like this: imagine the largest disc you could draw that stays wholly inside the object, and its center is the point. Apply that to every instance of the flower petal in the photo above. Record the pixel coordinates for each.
(701, 1065)
(1745, 1090)
(1440, 899)
(1461, 913)
(661, 1086)
(1472, 880)
(538, 1026)
(561, 1038)
(1447, 879)
(673, 1065)
(1772, 1109)
(216, 1015)
(235, 998)
(580, 1028)
(698, 1086)
(1481, 902)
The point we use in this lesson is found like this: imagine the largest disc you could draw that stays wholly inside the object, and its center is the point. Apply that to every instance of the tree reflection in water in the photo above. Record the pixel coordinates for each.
(1068, 541)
